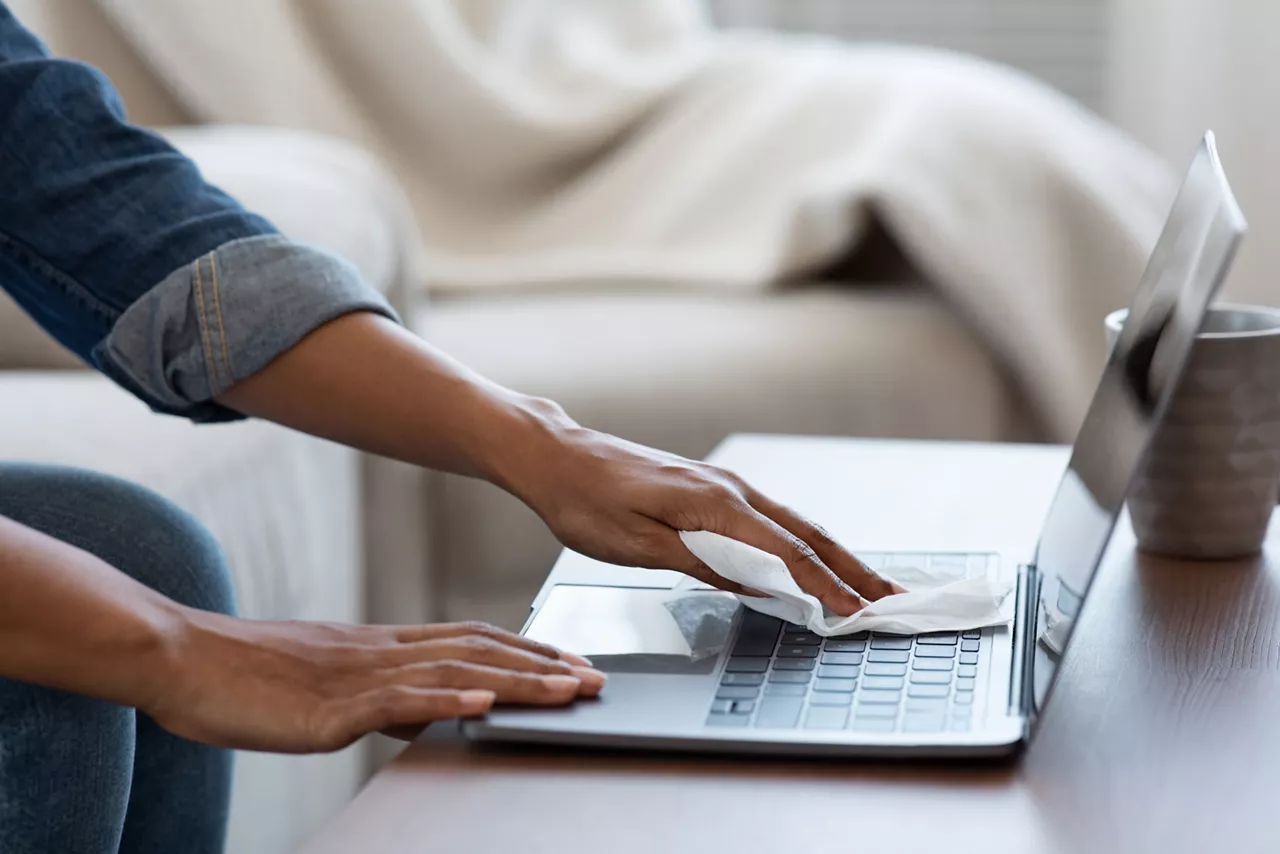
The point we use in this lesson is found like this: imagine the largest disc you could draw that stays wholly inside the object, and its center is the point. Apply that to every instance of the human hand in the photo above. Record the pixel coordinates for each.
(297, 687)
(626, 504)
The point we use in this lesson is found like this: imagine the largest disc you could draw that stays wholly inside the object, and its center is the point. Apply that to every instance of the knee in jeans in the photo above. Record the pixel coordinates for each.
(132, 528)
(183, 560)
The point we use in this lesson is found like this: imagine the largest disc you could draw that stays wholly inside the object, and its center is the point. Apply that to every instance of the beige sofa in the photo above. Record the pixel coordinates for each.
(313, 531)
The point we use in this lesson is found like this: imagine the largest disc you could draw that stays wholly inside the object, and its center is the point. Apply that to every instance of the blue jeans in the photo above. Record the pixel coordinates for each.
(86, 776)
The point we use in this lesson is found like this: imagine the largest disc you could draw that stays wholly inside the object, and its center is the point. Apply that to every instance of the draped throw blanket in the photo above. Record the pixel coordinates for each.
(593, 143)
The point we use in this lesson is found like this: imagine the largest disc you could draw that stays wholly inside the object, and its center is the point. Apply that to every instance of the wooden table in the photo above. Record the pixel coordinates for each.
(1163, 736)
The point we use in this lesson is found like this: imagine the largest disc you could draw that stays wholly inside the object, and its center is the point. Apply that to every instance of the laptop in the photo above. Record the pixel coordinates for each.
(749, 683)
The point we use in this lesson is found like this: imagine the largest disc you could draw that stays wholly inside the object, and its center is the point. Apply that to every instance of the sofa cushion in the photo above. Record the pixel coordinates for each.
(681, 371)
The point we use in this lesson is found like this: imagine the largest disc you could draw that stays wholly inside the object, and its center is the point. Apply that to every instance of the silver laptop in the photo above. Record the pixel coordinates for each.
(769, 687)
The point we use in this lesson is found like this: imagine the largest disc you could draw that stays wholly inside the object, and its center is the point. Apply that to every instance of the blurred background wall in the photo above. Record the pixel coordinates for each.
(1164, 70)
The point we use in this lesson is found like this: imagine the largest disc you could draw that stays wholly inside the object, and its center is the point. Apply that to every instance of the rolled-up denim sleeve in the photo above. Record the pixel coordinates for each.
(113, 242)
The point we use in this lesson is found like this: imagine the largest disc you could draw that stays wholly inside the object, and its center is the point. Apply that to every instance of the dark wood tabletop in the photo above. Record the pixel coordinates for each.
(1163, 735)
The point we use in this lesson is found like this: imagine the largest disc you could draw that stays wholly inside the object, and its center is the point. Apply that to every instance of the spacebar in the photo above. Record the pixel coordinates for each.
(758, 634)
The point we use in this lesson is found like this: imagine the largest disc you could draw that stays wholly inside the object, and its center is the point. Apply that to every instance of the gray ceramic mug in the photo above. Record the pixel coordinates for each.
(1212, 476)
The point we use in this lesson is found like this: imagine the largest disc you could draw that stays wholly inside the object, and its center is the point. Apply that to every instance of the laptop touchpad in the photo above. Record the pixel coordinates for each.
(637, 630)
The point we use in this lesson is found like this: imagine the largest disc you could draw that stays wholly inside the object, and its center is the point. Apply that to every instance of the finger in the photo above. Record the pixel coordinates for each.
(402, 706)
(668, 551)
(404, 733)
(838, 559)
(749, 526)
(409, 634)
(510, 686)
(482, 650)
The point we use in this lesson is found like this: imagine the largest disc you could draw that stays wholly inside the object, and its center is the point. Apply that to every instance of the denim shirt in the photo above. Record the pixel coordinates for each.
(115, 244)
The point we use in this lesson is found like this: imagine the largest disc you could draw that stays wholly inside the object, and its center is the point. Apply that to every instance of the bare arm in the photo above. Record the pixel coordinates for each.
(364, 381)
(70, 621)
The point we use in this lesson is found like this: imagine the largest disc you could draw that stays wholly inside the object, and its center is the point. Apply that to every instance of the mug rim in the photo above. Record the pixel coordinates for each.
(1114, 322)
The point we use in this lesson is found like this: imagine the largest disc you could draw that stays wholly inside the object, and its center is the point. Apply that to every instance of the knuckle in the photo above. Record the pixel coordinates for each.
(476, 627)
(731, 478)
(820, 534)
(478, 645)
(801, 551)
(449, 672)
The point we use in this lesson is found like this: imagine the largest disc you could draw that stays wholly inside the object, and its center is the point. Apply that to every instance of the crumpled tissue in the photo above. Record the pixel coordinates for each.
(932, 603)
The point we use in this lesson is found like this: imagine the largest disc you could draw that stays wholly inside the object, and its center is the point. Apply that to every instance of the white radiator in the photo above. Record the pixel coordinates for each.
(1063, 42)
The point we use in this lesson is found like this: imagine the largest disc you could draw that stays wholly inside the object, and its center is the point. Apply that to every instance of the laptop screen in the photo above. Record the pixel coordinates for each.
(1190, 259)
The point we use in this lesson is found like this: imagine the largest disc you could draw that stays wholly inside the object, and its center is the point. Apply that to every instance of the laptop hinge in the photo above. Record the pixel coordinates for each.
(1022, 683)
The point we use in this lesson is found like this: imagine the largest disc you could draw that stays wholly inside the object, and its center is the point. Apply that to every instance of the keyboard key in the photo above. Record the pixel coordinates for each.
(877, 697)
(890, 643)
(841, 658)
(757, 634)
(843, 645)
(937, 640)
(800, 677)
(742, 679)
(966, 684)
(935, 652)
(747, 665)
(931, 677)
(801, 639)
(785, 689)
(889, 656)
(843, 685)
(793, 664)
(874, 724)
(826, 717)
(728, 720)
(881, 711)
(923, 723)
(721, 707)
(932, 664)
(883, 683)
(928, 691)
(964, 698)
(743, 707)
(968, 658)
(935, 705)
(885, 670)
(838, 671)
(970, 646)
(977, 564)
(967, 670)
(831, 698)
(794, 628)
(779, 712)
(797, 652)
(972, 634)
(737, 692)
(960, 724)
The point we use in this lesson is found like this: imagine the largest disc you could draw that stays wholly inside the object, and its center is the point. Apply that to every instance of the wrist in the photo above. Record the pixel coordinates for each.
(526, 434)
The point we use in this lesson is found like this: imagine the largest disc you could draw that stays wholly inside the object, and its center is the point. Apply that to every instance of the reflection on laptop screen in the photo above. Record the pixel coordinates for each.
(1185, 270)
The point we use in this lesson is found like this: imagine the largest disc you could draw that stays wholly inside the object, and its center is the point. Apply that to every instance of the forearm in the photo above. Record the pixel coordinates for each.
(364, 381)
(70, 621)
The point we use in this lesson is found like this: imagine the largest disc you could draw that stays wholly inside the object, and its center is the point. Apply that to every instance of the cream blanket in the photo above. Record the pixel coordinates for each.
(558, 143)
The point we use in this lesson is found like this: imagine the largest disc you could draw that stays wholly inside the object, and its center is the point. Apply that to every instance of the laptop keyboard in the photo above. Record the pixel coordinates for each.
(782, 676)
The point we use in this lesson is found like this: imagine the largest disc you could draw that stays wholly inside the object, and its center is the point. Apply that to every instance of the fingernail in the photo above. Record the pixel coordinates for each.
(477, 702)
(579, 660)
(562, 683)
(592, 680)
